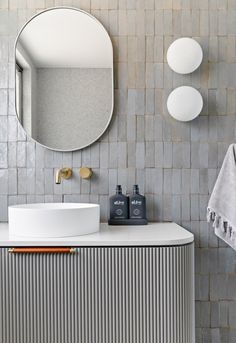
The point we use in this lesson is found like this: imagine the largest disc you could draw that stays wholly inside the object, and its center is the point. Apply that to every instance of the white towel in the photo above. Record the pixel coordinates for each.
(221, 209)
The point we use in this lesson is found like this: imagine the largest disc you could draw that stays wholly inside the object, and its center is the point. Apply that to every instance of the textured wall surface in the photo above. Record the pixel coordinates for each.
(74, 106)
(174, 163)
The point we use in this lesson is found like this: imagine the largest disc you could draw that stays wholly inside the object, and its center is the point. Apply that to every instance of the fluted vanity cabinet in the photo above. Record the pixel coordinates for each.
(124, 284)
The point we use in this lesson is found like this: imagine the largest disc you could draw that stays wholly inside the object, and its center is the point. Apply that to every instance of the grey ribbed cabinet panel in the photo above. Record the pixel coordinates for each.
(98, 295)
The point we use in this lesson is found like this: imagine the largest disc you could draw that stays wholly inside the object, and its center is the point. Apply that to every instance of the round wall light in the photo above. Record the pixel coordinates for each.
(184, 55)
(184, 103)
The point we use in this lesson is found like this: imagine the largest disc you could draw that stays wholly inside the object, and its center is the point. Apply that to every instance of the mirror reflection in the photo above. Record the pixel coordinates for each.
(64, 79)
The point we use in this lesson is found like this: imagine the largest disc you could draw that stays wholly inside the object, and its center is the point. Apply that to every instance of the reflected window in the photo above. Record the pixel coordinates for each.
(19, 90)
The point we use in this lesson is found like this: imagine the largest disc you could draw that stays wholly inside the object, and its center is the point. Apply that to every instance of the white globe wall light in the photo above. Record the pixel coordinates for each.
(184, 55)
(184, 103)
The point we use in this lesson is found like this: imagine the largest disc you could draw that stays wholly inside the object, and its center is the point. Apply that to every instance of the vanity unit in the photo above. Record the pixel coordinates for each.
(121, 284)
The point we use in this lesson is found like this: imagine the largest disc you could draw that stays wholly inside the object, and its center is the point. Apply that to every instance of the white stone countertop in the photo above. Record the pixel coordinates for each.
(153, 234)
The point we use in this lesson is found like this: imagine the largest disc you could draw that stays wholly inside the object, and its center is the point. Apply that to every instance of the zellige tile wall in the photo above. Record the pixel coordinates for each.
(174, 163)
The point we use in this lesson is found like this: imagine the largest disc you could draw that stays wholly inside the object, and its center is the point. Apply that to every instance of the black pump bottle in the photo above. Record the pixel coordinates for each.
(119, 206)
(137, 205)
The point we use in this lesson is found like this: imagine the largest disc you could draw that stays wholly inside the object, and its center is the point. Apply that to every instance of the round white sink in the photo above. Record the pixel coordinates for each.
(53, 219)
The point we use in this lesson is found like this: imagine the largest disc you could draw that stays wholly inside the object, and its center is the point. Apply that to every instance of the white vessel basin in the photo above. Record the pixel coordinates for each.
(53, 219)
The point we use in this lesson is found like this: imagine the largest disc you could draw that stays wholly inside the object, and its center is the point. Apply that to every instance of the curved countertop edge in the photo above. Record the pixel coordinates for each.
(153, 234)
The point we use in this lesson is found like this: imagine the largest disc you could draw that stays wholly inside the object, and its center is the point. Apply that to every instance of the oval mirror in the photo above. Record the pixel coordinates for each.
(64, 78)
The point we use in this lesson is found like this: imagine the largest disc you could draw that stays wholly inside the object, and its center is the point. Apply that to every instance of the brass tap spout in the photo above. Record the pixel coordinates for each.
(64, 173)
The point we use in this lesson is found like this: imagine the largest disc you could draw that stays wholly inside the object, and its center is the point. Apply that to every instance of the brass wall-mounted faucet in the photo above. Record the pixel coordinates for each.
(85, 173)
(64, 173)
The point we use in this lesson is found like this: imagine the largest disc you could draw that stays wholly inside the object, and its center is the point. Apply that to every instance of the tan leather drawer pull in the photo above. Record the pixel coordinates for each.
(42, 250)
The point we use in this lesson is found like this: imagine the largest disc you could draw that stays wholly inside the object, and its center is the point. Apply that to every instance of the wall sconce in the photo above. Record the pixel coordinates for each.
(184, 55)
(184, 103)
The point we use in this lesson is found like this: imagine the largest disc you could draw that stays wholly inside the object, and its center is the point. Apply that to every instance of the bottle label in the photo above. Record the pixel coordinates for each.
(136, 202)
(119, 212)
(119, 202)
(137, 207)
(119, 207)
(136, 212)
